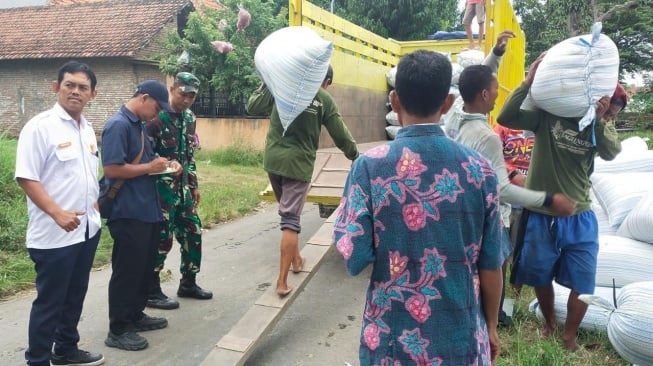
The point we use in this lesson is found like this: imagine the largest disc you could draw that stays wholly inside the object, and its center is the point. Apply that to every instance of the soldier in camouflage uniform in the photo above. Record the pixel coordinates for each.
(173, 137)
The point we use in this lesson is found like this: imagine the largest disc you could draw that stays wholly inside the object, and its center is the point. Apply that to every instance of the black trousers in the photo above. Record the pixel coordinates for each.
(61, 282)
(135, 246)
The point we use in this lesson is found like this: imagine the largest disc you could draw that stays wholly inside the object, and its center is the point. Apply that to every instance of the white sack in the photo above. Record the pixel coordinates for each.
(451, 121)
(391, 75)
(623, 260)
(392, 119)
(619, 193)
(456, 70)
(638, 224)
(292, 62)
(631, 322)
(634, 157)
(392, 131)
(604, 223)
(470, 57)
(596, 317)
(574, 75)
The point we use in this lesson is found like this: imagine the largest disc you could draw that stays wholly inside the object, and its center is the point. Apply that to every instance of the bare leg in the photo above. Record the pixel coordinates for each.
(289, 251)
(545, 297)
(576, 310)
(481, 27)
(470, 36)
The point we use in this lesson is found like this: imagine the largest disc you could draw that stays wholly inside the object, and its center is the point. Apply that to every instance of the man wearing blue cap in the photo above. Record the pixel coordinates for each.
(173, 136)
(135, 219)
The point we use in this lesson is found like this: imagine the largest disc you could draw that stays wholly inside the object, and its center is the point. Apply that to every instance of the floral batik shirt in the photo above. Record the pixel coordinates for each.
(423, 210)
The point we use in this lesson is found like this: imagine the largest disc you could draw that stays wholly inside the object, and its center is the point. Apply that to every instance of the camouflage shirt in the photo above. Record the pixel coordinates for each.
(173, 137)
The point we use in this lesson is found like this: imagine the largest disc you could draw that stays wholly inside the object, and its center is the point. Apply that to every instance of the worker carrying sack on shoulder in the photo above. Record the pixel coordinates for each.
(293, 62)
(574, 75)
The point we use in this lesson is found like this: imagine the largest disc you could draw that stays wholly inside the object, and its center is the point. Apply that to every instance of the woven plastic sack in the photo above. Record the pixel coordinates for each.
(574, 75)
(392, 131)
(623, 261)
(456, 70)
(392, 119)
(619, 193)
(292, 62)
(596, 317)
(470, 57)
(604, 222)
(634, 157)
(391, 75)
(630, 322)
(638, 224)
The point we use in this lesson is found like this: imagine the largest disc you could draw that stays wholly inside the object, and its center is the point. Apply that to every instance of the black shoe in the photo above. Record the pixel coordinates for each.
(504, 319)
(78, 357)
(128, 341)
(194, 291)
(161, 301)
(149, 323)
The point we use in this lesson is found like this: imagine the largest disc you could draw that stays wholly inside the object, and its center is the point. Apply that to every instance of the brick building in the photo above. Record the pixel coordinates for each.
(116, 38)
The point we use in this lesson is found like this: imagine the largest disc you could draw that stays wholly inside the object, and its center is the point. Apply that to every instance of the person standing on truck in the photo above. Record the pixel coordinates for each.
(474, 8)
(564, 249)
(478, 87)
(423, 210)
(289, 159)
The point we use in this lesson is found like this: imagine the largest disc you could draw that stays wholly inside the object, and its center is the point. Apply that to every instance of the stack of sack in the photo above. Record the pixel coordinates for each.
(622, 199)
(464, 59)
(391, 119)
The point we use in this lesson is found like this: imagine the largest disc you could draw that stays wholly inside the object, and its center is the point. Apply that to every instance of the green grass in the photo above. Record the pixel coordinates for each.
(230, 181)
(521, 343)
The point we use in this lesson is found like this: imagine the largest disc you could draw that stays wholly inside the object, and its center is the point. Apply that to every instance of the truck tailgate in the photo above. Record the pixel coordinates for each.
(329, 175)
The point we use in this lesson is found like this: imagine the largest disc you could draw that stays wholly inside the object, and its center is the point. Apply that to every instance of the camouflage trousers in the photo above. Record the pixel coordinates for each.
(180, 220)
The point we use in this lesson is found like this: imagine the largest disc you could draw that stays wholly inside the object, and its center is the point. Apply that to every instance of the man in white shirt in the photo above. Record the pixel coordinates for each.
(57, 167)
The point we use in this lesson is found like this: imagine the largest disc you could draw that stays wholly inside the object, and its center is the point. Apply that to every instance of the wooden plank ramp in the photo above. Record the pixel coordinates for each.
(235, 347)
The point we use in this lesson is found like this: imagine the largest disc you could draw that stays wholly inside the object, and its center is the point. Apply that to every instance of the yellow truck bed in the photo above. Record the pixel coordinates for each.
(363, 59)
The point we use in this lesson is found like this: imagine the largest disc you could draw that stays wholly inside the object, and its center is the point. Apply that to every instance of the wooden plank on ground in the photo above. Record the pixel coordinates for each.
(323, 236)
(236, 346)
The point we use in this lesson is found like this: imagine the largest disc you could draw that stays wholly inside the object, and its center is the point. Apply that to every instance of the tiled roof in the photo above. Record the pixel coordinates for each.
(90, 29)
(213, 4)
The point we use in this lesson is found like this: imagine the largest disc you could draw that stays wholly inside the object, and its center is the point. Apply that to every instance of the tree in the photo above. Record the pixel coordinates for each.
(403, 20)
(232, 74)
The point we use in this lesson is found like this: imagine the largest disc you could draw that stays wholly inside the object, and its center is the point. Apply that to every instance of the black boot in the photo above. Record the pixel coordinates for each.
(188, 288)
(156, 298)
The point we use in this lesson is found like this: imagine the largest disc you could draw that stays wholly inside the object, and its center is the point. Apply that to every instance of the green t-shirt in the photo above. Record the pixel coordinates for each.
(563, 157)
(292, 154)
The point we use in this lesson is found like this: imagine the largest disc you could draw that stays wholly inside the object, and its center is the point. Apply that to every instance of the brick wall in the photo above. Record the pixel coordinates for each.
(28, 88)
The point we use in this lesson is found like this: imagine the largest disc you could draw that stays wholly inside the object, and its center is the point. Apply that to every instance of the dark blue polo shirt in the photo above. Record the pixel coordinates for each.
(121, 143)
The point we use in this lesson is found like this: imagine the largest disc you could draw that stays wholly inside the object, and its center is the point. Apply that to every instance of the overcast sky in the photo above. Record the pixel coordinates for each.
(19, 3)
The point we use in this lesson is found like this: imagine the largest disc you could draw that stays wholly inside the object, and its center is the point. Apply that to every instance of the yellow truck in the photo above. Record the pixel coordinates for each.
(361, 60)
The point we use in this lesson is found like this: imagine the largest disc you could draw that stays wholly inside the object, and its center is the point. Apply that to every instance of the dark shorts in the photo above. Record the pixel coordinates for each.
(564, 249)
(291, 195)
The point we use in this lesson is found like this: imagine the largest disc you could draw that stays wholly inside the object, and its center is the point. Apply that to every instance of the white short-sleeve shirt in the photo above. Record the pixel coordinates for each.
(64, 159)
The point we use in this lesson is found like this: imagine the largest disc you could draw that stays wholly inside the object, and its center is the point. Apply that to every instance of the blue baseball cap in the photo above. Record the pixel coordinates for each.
(156, 90)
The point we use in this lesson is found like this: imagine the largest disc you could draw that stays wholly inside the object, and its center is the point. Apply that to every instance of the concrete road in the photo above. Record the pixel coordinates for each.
(321, 328)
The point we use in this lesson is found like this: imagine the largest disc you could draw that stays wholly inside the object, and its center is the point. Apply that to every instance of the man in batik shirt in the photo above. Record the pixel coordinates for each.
(173, 136)
(424, 211)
